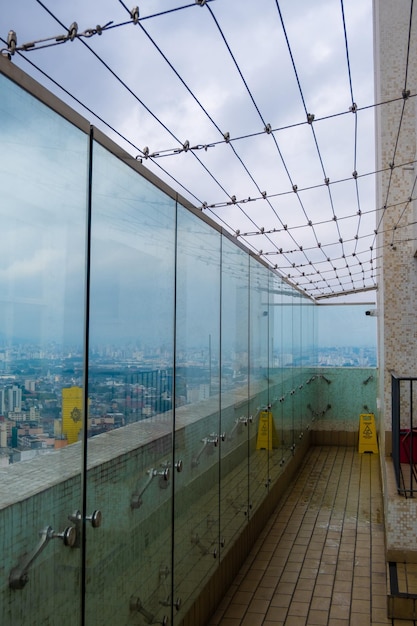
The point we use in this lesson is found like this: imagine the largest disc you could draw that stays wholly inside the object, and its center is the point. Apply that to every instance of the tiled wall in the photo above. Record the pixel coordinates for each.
(397, 281)
(398, 276)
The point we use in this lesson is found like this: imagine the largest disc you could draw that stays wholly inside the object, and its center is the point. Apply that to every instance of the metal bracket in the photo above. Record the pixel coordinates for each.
(135, 604)
(19, 575)
(164, 474)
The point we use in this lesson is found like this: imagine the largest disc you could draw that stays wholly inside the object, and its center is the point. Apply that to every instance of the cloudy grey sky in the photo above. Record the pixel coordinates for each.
(235, 66)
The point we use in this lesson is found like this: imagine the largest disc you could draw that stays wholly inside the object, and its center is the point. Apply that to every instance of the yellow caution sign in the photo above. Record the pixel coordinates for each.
(267, 434)
(367, 433)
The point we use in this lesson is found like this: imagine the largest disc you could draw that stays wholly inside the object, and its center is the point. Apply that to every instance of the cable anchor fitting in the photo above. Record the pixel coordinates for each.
(310, 118)
(11, 43)
(72, 31)
(134, 14)
(226, 136)
(268, 129)
(353, 108)
(406, 94)
(200, 2)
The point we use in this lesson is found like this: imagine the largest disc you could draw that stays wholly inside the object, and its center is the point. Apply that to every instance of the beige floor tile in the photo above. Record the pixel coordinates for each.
(269, 581)
(276, 613)
(242, 597)
(338, 611)
(289, 577)
(253, 619)
(281, 601)
(302, 595)
(235, 611)
(258, 606)
(264, 593)
(298, 608)
(306, 583)
(317, 617)
(362, 607)
(285, 588)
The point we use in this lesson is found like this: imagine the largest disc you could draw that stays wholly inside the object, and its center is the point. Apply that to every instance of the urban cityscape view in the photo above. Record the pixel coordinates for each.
(41, 388)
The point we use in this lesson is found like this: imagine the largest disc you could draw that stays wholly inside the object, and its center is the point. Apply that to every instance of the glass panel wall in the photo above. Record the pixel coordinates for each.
(276, 375)
(42, 284)
(258, 381)
(198, 438)
(297, 376)
(236, 419)
(308, 356)
(287, 371)
(148, 346)
(131, 333)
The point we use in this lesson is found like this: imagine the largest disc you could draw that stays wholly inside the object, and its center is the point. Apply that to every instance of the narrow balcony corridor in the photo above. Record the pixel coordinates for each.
(321, 556)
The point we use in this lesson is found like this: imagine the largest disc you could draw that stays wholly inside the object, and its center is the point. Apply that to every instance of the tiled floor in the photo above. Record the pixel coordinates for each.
(321, 557)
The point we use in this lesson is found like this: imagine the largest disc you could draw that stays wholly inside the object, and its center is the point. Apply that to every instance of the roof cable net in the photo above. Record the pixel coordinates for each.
(263, 119)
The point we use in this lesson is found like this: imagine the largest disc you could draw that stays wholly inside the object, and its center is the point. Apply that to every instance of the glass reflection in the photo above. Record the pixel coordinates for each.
(43, 166)
(235, 415)
(258, 382)
(130, 393)
(276, 454)
(190, 339)
(198, 438)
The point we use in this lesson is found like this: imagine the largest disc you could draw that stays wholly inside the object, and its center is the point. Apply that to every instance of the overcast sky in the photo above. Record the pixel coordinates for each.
(192, 74)
(235, 66)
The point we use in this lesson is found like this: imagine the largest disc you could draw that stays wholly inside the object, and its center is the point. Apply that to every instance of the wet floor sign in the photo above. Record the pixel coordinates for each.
(267, 434)
(367, 433)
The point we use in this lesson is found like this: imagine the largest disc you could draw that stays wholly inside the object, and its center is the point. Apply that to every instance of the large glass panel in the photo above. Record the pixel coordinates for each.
(43, 167)
(129, 456)
(308, 356)
(287, 371)
(297, 369)
(259, 382)
(347, 335)
(346, 378)
(236, 420)
(275, 374)
(198, 438)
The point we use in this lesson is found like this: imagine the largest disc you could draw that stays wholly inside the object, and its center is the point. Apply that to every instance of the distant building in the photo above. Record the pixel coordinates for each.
(3, 435)
(30, 385)
(15, 398)
(17, 416)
